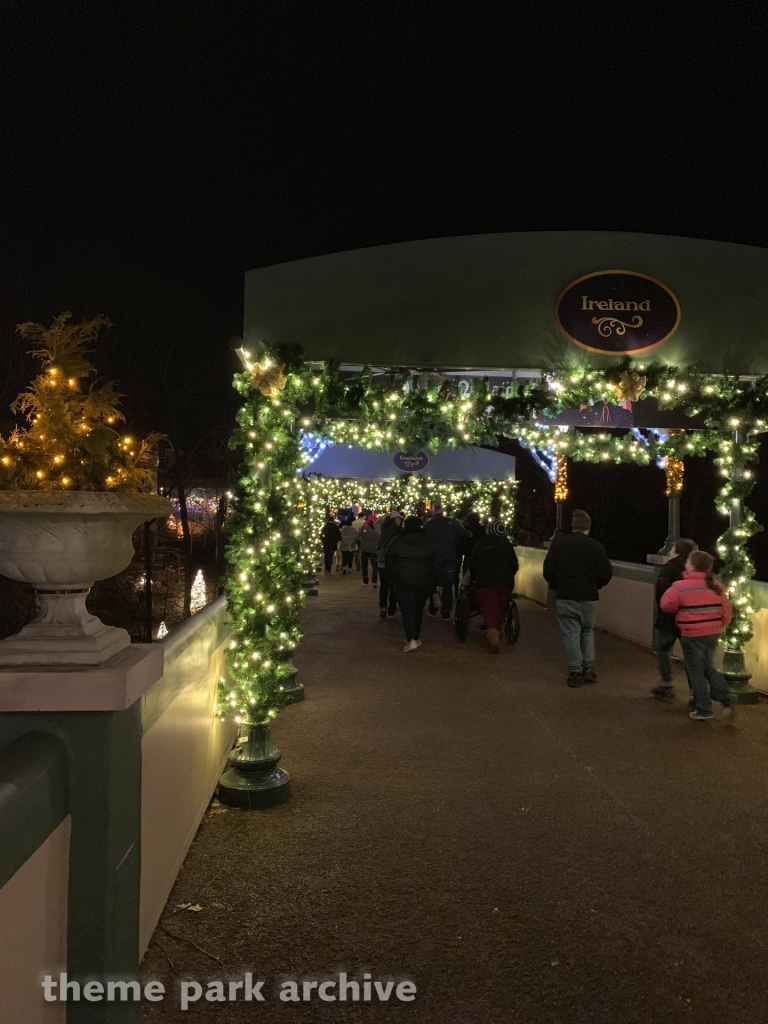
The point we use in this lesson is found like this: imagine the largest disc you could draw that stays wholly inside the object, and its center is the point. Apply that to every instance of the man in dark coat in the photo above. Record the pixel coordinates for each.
(576, 567)
(446, 535)
(665, 630)
(493, 564)
(410, 565)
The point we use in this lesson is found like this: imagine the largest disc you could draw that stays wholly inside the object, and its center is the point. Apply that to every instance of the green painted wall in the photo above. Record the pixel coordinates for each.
(101, 764)
(34, 797)
(488, 300)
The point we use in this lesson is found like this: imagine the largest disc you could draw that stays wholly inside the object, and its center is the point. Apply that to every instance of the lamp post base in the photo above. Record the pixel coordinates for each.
(309, 583)
(254, 781)
(735, 671)
(292, 687)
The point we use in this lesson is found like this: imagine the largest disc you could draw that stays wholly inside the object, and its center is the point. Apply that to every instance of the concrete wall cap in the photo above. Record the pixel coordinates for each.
(85, 503)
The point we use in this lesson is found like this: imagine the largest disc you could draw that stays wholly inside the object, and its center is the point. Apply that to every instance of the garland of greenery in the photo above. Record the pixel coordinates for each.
(263, 586)
(406, 493)
(411, 411)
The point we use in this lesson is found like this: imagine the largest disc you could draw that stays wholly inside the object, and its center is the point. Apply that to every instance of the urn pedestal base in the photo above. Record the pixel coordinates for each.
(64, 633)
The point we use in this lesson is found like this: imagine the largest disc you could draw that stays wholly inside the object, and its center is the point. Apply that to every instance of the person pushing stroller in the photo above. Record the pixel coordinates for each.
(493, 564)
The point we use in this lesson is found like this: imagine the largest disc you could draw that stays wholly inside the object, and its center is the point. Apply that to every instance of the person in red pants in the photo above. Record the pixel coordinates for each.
(493, 564)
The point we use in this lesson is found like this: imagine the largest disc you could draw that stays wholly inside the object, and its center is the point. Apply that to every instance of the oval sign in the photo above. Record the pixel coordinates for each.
(617, 312)
(411, 463)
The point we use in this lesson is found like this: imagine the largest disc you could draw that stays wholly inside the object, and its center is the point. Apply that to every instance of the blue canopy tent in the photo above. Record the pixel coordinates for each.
(349, 461)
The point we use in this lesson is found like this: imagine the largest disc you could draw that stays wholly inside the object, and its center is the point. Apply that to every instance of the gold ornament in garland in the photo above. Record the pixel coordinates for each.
(630, 386)
(268, 378)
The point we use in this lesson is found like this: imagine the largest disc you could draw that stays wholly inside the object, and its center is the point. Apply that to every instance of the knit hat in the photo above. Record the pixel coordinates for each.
(581, 520)
(497, 528)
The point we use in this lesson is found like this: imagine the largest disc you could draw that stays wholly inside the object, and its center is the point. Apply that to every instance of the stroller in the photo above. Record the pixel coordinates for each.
(467, 608)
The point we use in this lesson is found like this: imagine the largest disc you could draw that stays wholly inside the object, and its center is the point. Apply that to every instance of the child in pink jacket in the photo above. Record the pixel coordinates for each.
(701, 609)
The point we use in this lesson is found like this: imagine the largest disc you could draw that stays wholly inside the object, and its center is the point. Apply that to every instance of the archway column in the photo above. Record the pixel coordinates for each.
(734, 664)
(674, 469)
(561, 492)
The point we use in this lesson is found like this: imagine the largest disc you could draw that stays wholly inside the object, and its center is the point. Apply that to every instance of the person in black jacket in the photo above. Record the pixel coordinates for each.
(390, 529)
(411, 566)
(576, 567)
(446, 534)
(330, 535)
(493, 563)
(665, 630)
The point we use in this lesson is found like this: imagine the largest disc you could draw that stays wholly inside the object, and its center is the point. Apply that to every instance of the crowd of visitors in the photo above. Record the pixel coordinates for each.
(424, 560)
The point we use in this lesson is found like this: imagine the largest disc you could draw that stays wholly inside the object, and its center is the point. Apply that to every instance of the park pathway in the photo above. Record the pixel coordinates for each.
(521, 851)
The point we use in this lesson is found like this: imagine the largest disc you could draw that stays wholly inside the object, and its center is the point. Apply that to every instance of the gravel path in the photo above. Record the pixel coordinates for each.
(521, 851)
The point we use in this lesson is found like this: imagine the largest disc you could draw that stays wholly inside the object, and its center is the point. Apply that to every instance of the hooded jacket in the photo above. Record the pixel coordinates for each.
(369, 539)
(494, 562)
(698, 610)
(389, 531)
(446, 534)
(350, 538)
(410, 561)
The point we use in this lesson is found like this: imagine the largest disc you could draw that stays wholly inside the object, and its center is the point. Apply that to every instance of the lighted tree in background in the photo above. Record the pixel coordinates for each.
(199, 597)
(71, 442)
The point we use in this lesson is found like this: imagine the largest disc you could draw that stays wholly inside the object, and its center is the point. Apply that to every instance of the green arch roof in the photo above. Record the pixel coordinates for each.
(488, 301)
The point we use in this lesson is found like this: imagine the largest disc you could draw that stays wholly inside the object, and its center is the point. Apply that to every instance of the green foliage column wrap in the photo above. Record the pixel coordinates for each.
(735, 461)
(263, 586)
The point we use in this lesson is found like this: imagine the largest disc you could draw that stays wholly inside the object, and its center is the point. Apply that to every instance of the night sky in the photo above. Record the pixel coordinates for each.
(216, 137)
(153, 152)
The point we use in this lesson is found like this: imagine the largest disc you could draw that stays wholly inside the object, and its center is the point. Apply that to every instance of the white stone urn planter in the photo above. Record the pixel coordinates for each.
(62, 542)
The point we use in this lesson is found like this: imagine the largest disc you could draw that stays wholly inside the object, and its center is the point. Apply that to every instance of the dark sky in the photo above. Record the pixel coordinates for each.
(152, 152)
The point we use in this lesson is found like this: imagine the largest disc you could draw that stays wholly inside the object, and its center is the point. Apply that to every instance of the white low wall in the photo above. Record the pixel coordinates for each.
(184, 751)
(529, 580)
(33, 936)
(756, 650)
(627, 608)
(626, 605)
